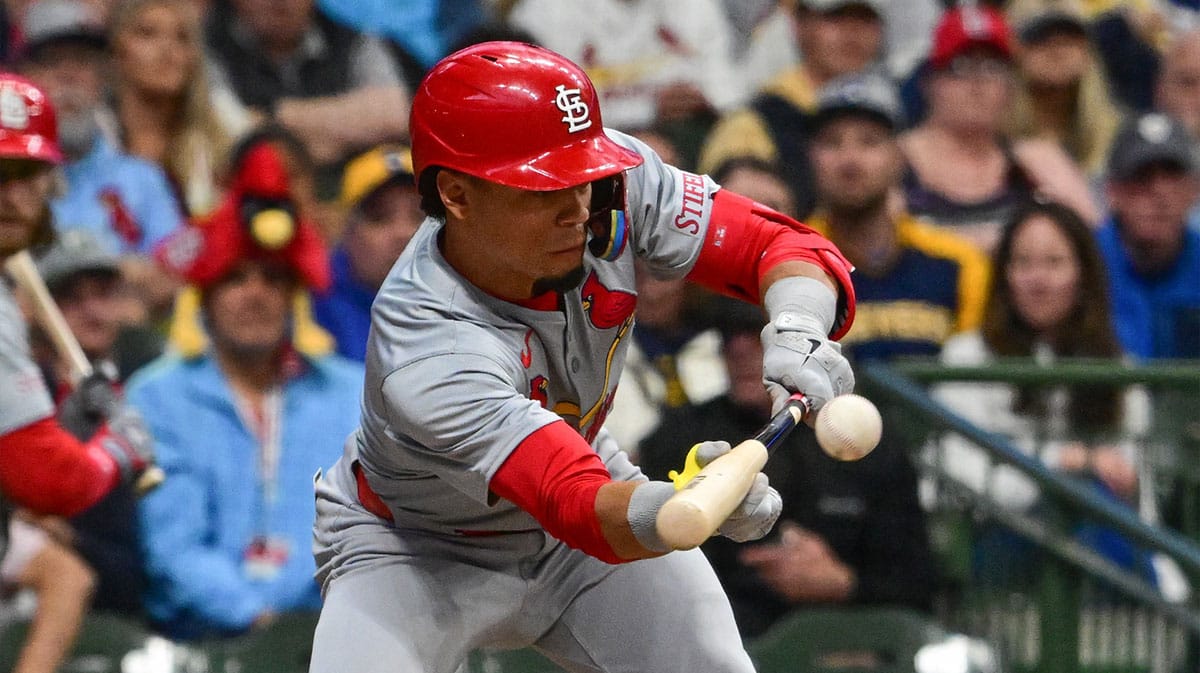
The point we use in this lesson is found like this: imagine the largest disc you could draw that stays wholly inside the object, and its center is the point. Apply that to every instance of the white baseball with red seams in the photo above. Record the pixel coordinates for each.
(848, 427)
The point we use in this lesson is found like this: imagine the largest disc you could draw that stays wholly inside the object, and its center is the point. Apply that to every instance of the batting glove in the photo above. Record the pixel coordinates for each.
(127, 440)
(797, 353)
(758, 511)
(88, 406)
(96, 413)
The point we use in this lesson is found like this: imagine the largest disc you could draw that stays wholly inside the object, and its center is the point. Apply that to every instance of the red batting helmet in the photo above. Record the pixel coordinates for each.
(515, 114)
(28, 127)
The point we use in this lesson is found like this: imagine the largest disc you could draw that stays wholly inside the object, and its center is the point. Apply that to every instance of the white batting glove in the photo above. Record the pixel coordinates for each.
(797, 353)
(758, 511)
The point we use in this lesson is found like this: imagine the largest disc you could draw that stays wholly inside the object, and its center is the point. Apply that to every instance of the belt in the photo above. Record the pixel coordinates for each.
(368, 498)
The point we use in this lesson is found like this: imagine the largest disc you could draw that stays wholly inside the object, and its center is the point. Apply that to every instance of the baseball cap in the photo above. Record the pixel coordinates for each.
(1150, 138)
(869, 94)
(826, 6)
(371, 170)
(49, 21)
(1035, 20)
(963, 28)
(74, 252)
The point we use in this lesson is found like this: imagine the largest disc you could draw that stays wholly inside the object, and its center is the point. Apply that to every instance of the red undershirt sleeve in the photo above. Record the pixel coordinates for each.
(44, 468)
(746, 239)
(554, 476)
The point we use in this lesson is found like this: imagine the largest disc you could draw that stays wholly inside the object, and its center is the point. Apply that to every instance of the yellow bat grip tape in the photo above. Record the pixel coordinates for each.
(691, 467)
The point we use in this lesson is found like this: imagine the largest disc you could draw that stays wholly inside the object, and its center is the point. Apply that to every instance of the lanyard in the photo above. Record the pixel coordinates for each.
(266, 425)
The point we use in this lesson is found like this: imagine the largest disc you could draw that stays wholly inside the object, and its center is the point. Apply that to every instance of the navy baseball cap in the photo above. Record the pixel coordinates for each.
(868, 94)
(1151, 138)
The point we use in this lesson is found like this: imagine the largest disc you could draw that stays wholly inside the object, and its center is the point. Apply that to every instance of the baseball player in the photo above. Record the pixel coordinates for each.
(43, 465)
(481, 502)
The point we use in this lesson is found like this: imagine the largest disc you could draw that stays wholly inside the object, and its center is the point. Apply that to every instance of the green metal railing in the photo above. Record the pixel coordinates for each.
(1082, 612)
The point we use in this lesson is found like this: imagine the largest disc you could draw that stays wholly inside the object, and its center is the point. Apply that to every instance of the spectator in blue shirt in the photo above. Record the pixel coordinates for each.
(243, 415)
(1153, 257)
(384, 211)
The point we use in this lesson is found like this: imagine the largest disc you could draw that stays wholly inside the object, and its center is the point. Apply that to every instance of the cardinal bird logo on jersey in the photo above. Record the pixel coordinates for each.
(606, 308)
(538, 387)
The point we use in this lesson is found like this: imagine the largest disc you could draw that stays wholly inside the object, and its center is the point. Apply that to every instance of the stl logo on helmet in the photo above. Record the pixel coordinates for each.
(575, 111)
(14, 112)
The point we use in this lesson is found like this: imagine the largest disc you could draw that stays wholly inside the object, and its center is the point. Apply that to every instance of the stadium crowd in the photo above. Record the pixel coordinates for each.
(1014, 178)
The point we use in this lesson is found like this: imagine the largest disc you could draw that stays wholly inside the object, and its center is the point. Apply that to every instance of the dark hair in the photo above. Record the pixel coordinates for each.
(431, 200)
(1087, 331)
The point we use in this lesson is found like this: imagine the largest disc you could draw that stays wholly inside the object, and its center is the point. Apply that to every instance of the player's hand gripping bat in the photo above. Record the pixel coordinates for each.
(23, 271)
(707, 496)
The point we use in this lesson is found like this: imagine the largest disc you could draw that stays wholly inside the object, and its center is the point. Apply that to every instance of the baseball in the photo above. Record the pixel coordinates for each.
(848, 427)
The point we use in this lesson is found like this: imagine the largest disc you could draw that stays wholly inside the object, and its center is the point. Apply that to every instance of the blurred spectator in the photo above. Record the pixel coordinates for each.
(850, 533)
(1127, 35)
(962, 171)
(759, 180)
(337, 89)
(43, 467)
(836, 37)
(243, 418)
(60, 581)
(125, 202)
(85, 283)
(1177, 91)
(916, 285)
(672, 360)
(1049, 300)
(1062, 95)
(384, 211)
(160, 96)
(424, 28)
(653, 64)
(1153, 257)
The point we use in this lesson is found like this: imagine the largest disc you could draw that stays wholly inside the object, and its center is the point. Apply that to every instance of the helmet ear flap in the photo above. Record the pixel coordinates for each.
(608, 225)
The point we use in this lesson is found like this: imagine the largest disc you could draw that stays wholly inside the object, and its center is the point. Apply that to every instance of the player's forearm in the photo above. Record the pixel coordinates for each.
(797, 268)
(612, 509)
(44, 468)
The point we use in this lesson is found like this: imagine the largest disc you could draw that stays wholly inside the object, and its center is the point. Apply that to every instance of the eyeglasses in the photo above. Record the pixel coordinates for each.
(14, 170)
(978, 66)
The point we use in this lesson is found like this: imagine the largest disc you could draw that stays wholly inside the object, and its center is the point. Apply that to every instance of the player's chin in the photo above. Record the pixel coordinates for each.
(561, 282)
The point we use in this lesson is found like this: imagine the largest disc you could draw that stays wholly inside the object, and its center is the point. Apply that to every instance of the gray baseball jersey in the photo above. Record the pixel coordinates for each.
(23, 394)
(455, 381)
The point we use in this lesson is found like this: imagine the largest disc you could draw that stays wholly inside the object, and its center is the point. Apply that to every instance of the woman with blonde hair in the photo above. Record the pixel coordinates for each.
(1062, 94)
(161, 98)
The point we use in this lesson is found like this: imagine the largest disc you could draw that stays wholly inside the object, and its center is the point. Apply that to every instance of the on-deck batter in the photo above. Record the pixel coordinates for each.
(481, 503)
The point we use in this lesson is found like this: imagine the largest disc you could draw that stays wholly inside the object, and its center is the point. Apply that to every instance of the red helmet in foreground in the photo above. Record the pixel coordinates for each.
(28, 127)
(515, 114)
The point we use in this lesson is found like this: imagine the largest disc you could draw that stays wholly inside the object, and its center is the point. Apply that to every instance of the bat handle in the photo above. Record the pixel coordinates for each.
(148, 480)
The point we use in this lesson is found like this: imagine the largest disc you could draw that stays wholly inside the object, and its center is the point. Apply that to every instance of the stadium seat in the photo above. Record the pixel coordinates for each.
(844, 640)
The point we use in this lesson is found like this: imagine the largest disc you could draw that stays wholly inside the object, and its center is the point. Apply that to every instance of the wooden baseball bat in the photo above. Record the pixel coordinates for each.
(23, 271)
(703, 503)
